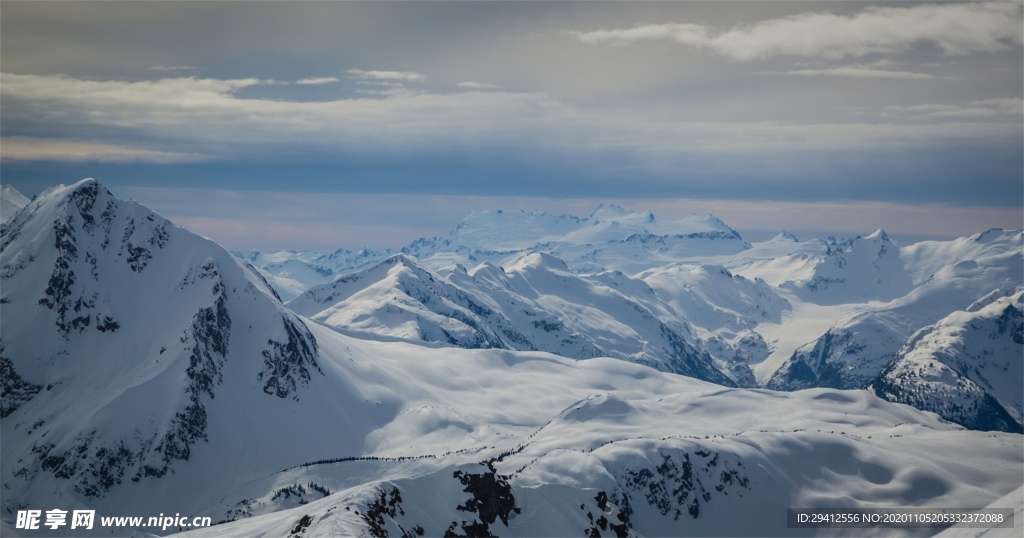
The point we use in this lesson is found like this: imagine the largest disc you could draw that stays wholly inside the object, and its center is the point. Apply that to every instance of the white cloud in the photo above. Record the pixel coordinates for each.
(397, 90)
(854, 71)
(173, 68)
(476, 85)
(1007, 105)
(19, 148)
(409, 76)
(386, 83)
(956, 29)
(317, 80)
(687, 34)
(973, 110)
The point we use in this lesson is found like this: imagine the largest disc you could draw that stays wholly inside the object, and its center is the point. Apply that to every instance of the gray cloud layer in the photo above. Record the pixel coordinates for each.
(903, 103)
(202, 110)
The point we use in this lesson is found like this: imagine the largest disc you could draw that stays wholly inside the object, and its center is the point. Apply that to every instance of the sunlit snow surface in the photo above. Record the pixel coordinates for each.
(148, 371)
(577, 428)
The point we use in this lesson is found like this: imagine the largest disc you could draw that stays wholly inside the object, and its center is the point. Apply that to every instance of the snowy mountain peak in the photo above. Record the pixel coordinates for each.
(616, 213)
(859, 269)
(605, 211)
(99, 292)
(786, 236)
(879, 235)
(10, 202)
(401, 259)
(711, 219)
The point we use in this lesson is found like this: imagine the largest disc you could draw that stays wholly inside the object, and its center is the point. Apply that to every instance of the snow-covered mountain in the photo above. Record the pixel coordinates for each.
(146, 370)
(534, 304)
(784, 313)
(611, 238)
(293, 272)
(858, 299)
(950, 276)
(783, 258)
(10, 202)
(967, 367)
(130, 344)
(860, 270)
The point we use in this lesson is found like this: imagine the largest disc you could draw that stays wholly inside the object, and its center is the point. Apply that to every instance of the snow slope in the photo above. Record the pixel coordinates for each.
(622, 462)
(1013, 500)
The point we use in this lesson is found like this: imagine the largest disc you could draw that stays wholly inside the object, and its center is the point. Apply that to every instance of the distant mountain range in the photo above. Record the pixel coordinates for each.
(687, 296)
(528, 375)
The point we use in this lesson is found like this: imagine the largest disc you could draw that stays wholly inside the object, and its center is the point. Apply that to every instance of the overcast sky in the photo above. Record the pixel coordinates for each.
(343, 124)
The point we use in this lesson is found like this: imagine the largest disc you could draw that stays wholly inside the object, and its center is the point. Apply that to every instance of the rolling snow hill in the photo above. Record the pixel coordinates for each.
(621, 463)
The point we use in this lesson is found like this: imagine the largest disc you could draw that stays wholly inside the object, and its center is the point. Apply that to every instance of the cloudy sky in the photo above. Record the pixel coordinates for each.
(343, 124)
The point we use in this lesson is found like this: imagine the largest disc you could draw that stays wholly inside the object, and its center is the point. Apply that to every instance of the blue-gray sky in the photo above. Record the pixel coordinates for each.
(343, 124)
